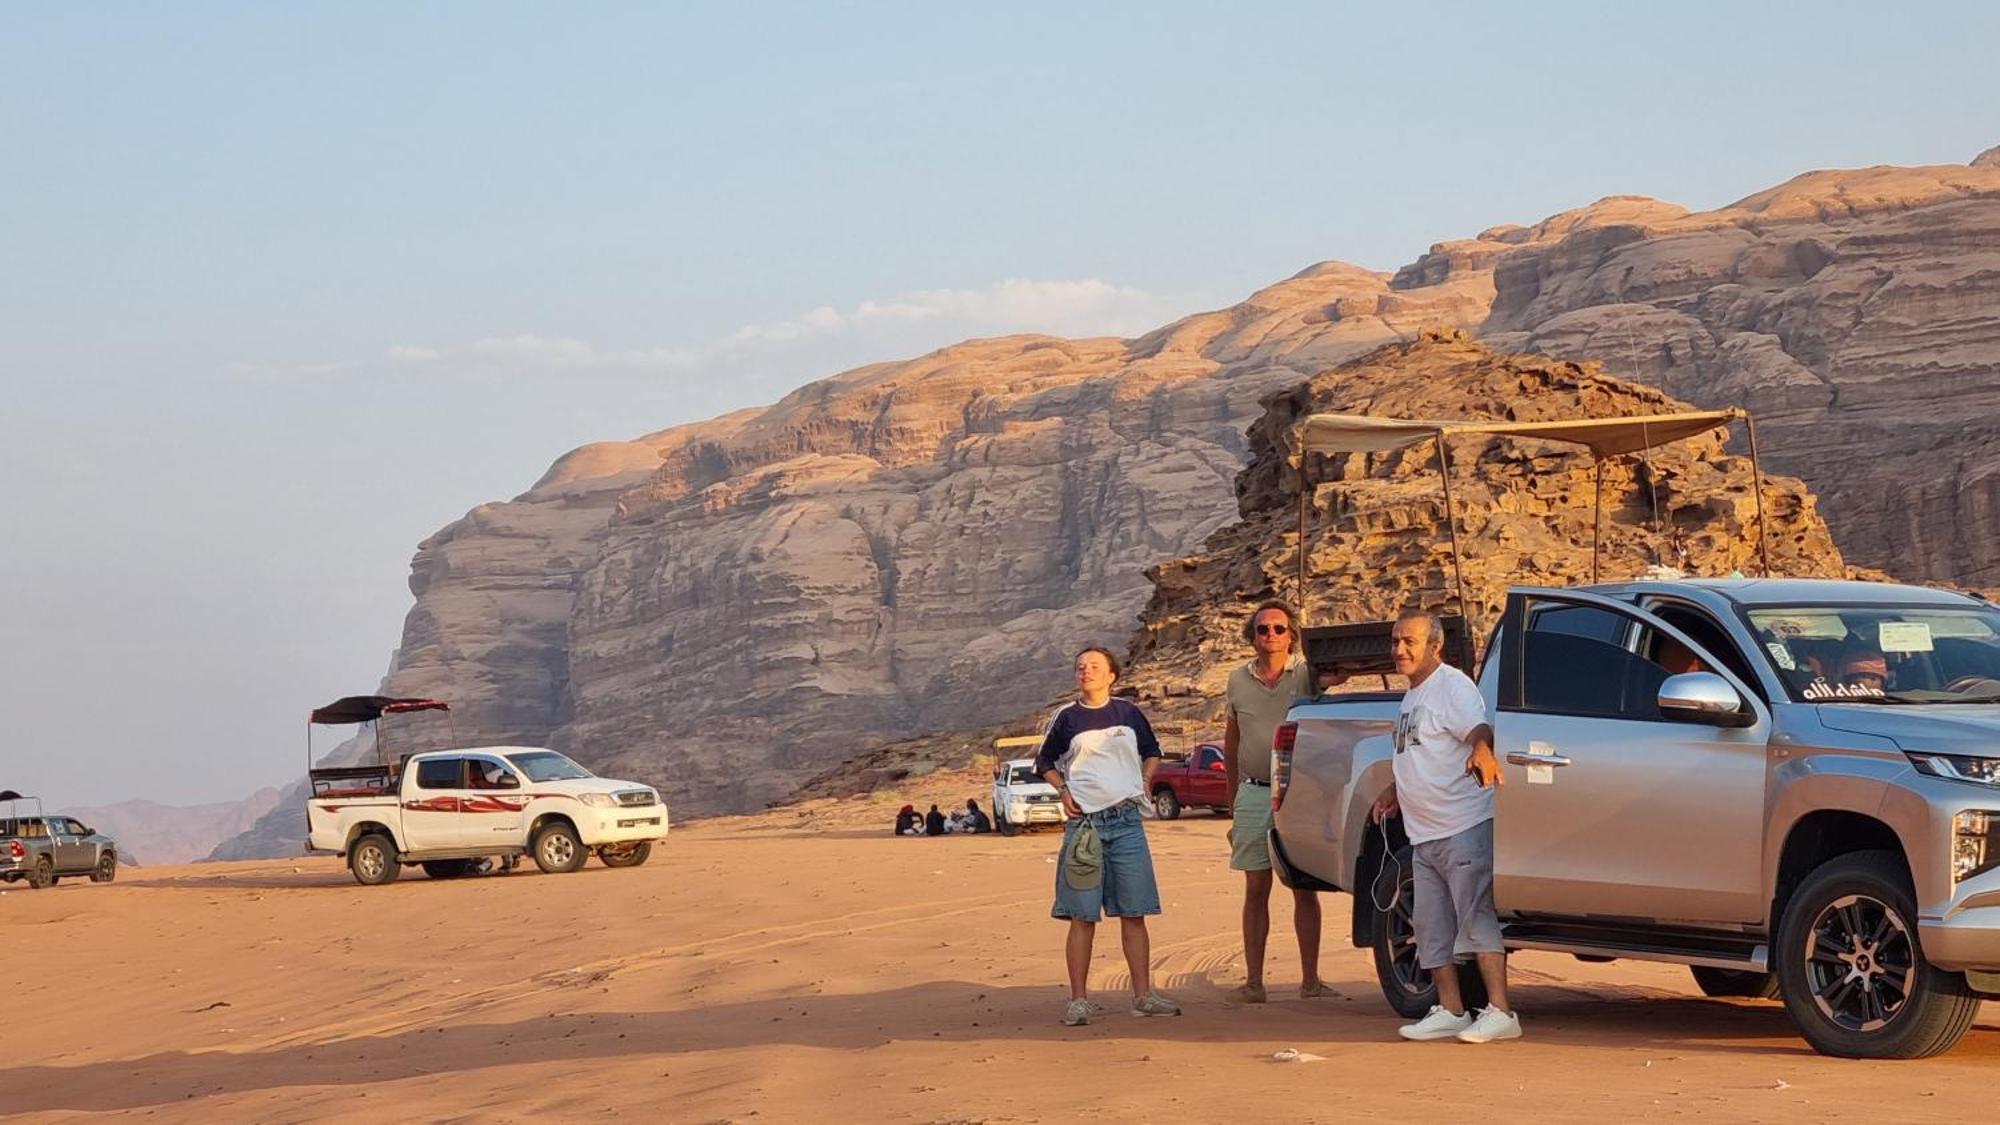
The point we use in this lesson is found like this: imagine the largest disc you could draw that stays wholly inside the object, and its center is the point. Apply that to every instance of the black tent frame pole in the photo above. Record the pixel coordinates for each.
(1757, 491)
(1299, 589)
(1597, 519)
(1457, 569)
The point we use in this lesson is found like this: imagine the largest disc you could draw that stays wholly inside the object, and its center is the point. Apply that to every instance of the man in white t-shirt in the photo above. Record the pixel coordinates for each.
(1445, 777)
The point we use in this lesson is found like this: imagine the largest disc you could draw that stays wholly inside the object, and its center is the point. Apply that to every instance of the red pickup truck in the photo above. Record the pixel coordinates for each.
(1195, 781)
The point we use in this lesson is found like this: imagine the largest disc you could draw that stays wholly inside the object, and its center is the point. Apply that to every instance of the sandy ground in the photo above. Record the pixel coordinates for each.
(803, 965)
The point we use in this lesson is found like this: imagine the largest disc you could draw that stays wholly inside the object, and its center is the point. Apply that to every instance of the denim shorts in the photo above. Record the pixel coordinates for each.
(1128, 889)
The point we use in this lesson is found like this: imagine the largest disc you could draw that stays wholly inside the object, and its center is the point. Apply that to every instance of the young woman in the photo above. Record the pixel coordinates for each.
(1100, 755)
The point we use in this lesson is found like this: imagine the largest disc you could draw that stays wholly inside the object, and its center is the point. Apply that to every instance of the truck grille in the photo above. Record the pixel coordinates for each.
(635, 798)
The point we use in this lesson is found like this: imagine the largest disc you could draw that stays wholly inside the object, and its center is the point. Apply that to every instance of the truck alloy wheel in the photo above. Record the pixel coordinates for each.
(372, 861)
(107, 869)
(1168, 805)
(1853, 972)
(557, 850)
(43, 874)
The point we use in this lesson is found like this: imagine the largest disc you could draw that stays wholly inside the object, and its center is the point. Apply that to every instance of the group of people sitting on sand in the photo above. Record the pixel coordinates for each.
(971, 818)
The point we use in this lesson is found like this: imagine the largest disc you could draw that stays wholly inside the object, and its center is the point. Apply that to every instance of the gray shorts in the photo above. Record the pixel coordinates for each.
(1453, 907)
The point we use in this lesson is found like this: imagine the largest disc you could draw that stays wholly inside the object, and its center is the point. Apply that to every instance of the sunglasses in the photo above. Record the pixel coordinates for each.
(1272, 630)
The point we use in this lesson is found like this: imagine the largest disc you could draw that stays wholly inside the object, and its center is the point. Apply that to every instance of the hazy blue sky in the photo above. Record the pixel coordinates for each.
(284, 288)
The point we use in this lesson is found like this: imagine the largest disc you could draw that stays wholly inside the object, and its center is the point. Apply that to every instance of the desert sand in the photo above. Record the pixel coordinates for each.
(804, 965)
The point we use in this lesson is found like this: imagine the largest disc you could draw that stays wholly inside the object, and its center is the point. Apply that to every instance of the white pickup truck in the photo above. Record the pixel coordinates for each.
(447, 810)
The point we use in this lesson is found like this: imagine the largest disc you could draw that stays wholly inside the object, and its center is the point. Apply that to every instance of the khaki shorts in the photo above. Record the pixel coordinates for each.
(1249, 836)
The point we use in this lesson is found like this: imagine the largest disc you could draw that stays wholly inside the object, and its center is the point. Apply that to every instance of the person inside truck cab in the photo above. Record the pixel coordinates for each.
(1676, 657)
(484, 775)
(1866, 669)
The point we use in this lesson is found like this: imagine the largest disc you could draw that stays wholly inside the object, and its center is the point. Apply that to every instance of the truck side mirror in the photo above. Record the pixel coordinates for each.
(509, 781)
(1703, 697)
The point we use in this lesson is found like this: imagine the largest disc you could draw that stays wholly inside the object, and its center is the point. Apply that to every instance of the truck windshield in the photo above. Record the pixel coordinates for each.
(1023, 775)
(1883, 654)
(547, 765)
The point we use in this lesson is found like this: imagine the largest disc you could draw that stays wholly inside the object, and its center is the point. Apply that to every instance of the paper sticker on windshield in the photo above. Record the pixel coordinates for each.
(1782, 655)
(1906, 636)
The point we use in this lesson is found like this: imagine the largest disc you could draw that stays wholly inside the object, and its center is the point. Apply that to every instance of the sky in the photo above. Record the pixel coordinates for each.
(286, 288)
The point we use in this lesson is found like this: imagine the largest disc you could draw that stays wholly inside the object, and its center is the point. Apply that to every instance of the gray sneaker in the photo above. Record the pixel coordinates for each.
(1154, 1004)
(1076, 1013)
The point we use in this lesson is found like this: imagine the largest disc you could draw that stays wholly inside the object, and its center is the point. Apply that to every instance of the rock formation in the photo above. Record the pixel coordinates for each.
(1376, 534)
(156, 833)
(726, 607)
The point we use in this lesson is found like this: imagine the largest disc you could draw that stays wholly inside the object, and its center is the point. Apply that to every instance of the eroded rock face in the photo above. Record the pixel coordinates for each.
(1857, 314)
(727, 607)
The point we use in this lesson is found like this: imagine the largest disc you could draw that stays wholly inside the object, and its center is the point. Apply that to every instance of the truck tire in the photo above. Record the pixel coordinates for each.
(629, 857)
(43, 874)
(1852, 970)
(1723, 983)
(1168, 805)
(1000, 821)
(557, 850)
(448, 868)
(107, 869)
(1405, 985)
(372, 860)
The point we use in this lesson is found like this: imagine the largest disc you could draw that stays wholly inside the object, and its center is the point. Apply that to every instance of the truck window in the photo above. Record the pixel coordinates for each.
(488, 773)
(1580, 621)
(1574, 666)
(1668, 653)
(441, 773)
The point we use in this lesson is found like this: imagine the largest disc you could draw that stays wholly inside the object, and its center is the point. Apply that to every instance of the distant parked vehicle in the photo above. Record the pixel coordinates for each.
(42, 850)
(1021, 798)
(450, 811)
(1195, 781)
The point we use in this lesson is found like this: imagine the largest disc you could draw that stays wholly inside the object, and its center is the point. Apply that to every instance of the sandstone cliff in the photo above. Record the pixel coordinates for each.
(1376, 535)
(725, 608)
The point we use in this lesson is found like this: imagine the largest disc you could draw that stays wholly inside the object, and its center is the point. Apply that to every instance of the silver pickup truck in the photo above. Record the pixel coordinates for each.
(1791, 786)
(41, 850)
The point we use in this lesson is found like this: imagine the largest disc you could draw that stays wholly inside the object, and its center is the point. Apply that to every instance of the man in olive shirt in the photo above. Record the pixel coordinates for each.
(1261, 691)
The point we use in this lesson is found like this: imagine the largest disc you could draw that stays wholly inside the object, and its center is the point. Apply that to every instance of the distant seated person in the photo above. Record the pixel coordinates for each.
(976, 819)
(1866, 669)
(934, 822)
(908, 822)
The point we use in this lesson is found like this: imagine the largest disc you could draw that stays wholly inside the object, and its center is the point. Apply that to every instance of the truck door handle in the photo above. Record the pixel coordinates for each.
(1523, 758)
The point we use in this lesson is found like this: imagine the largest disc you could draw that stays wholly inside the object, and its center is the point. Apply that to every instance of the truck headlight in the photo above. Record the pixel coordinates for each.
(599, 800)
(1958, 767)
(1972, 848)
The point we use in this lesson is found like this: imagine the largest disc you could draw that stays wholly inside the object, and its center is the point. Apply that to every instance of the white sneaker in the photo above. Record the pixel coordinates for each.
(1437, 1024)
(1492, 1024)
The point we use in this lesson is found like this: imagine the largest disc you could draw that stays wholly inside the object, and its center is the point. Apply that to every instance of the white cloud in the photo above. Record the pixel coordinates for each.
(776, 355)
(280, 372)
(1088, 307)
(530, 352)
